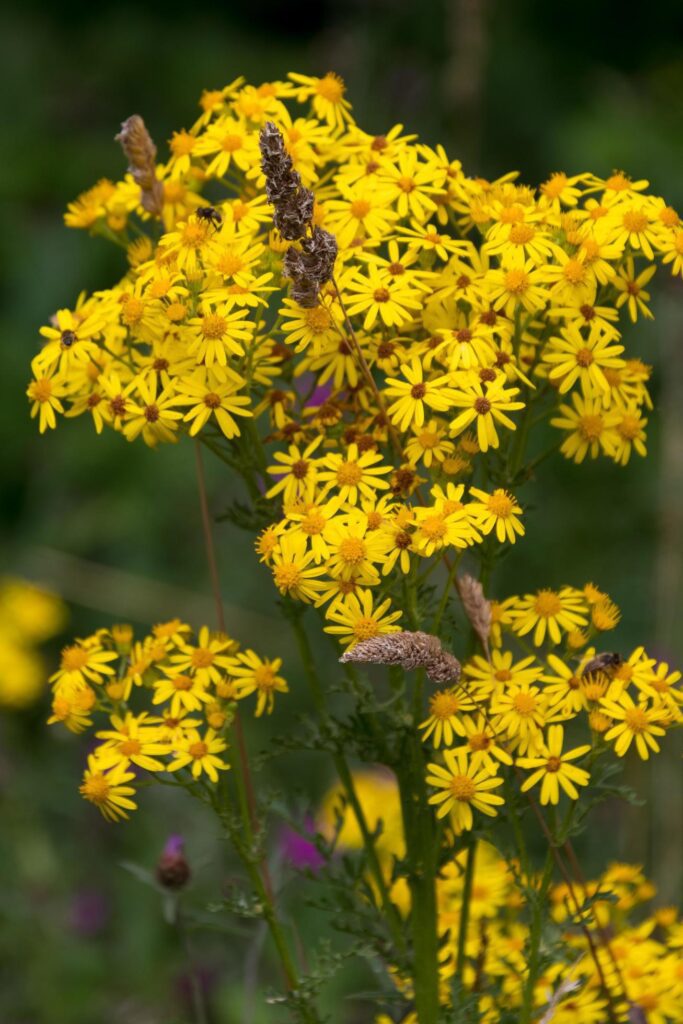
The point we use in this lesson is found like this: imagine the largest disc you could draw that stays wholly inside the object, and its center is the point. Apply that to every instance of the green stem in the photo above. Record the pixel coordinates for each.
(418, 824)
(392, 915)
(537, 916)
(445, 596)
(465, 909)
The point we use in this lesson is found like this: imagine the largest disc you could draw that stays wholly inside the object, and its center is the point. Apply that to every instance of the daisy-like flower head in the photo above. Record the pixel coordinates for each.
(485, 404)
(520, 712)
(631, 288)
(201, 754)
(132, 740)
(591, 429)
(355, 618)
(108, 789)
(550, 764)
(297, 472)
(294, 569)
(551, 612)
(633, 722)
(573, 357)
(446, 709)
(354, 474)
(462, 787)
(413, 394)
(497, 511)
(258, 675)
(83, 662)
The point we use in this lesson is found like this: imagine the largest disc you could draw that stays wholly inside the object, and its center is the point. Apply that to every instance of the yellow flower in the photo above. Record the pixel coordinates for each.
(356, 619)
(592, 429)
(633, 224)
(486, 676)
(258, 675)
(498, 511)
(574, 357)
(481, 744)
(550, 765)
(436, 529)
(517, 284)
(70, 342)
(131, 741)
(355, 475)
(326, 95)
(354, 549)
(520, 711)
(413, 394)
(631, 290)
(153, 415)
(487, 404)
(377, 792)
(297, 472)
(216, 334)
(412, 185)
(461, 787)
(393, 302)
(551, 611)
(637, 722)
(293, 573)
(45, 392)
(227, 141)
(361, 212)
(209, 397)
(108, 789)
(83, 662)
(200, 754)
(443, 723)
(429, 444)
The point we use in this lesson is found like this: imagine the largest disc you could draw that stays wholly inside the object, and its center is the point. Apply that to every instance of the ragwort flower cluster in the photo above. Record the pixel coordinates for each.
(372, 340)
(165, 700)
(643, 969)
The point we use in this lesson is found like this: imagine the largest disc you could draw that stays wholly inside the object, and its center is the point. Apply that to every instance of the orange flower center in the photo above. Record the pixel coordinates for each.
(463, 788)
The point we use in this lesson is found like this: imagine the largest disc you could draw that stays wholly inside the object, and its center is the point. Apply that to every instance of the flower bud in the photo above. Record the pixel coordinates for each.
(172, 870)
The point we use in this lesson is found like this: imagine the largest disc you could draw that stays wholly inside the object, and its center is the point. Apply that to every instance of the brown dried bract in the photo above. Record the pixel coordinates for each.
(410, 651)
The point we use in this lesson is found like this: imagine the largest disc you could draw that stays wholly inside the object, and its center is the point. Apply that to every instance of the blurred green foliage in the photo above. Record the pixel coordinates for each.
(518, 85)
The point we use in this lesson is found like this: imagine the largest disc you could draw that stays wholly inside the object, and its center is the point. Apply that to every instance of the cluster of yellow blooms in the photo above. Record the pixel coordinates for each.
(190, 686)
(462, 295)
(644, 968)
(466, 299)
(506, 711)
(378, 427)
(29, 615)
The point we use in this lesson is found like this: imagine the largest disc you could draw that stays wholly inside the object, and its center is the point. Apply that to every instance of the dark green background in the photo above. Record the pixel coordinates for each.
(532, 86)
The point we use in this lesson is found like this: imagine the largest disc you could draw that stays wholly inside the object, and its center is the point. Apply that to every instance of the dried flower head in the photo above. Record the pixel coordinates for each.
(410, 651)
(138, 146)
(293, 202)
(477, 608)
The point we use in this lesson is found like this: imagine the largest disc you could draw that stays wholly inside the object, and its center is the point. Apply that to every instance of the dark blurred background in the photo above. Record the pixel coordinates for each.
(115, 528)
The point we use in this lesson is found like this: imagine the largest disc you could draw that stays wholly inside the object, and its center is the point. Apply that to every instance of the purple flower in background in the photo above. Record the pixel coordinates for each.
(89, 912)
(298, 850)
(321, 395)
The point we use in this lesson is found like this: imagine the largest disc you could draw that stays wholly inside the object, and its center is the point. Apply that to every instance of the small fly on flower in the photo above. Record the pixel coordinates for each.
(210, 215)
(608, 661)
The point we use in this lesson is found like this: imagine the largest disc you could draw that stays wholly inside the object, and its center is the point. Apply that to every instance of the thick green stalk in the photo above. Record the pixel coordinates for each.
(418, 824)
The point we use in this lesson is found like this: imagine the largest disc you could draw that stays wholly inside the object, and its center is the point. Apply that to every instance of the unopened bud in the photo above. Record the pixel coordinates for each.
(173, 871)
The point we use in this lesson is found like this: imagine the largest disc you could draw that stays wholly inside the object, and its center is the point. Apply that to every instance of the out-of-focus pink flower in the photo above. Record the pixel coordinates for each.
(298, 850)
